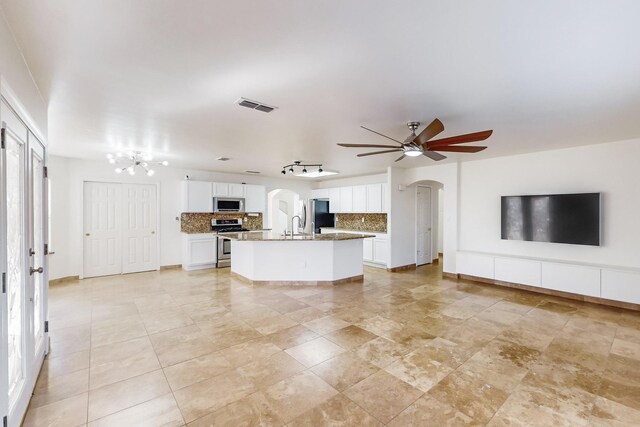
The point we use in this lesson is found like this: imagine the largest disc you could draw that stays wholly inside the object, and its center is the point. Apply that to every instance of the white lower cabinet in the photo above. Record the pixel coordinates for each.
(199, 251)
(576, 279)
(616, 284)
(381, 251)
(367, 250)
(620, 285)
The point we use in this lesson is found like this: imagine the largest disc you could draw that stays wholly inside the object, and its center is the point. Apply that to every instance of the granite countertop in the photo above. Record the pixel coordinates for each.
(215, 232)
(350, 230)
(253, 236)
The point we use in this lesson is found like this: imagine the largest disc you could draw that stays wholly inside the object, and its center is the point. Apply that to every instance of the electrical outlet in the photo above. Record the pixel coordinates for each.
(363, 220)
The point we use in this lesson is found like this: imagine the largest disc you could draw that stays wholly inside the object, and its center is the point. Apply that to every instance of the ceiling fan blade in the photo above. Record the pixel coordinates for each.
(434, 156)
(434, 128)
(400, 158)
(378, 133)
(368, 145)
(463, 149)
(460, 139)
(379, 152)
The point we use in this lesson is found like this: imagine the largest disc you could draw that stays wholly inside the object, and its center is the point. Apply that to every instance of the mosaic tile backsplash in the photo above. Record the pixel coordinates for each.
(201, 222)
(373, 222)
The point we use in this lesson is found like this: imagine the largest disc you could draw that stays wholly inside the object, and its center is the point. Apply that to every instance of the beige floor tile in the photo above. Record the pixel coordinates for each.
(344, 370)
(297, 394)
(315, 351)
(419, 369)
(608, 413)
(161, 411)
(350, 337)
(338, 411)
(117, 362)
(621, 381)
(383, 395)
(292, 337)
(69, 412)
(66, 363)
(381, 352)
(306, 314)
(253, 410)
(325, 324)
(158, 321)
(117, 330)
(125, 394)
(195, 370)
(428, 411)
(250, 351)
(199, 399)
(49, 390)
(624, 348)
(267, 371)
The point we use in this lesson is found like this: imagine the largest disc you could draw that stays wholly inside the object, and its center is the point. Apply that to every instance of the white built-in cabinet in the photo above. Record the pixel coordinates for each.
(370, 198)
(611, 283)
(198, 195)
(199, 251)
(375, 251)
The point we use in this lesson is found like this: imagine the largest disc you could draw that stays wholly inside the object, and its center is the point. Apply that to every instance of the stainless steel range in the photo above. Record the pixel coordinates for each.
(224, 245)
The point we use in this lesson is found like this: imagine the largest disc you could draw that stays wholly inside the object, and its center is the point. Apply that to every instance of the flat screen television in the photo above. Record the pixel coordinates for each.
(555, 218)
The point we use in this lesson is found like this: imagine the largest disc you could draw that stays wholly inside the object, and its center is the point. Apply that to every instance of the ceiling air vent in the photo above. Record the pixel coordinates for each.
(252, 172)
(255, 105)
(223, 159)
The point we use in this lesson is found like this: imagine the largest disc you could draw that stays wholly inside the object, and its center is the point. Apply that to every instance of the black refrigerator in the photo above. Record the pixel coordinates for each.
(319, 214)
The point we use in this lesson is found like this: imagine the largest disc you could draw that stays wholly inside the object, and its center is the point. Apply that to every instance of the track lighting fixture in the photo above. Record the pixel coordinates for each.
(298, 164)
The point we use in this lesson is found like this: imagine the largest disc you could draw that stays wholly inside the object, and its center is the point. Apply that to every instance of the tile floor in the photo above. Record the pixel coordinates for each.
(173, 348)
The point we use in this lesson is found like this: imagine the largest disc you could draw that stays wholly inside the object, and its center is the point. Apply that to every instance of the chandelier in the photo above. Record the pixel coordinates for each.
(133, 159)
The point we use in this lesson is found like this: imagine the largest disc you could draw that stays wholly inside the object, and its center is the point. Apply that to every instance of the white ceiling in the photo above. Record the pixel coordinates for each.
(163, 76)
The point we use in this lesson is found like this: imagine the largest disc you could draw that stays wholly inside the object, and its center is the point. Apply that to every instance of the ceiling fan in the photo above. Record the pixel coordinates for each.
(421, 145)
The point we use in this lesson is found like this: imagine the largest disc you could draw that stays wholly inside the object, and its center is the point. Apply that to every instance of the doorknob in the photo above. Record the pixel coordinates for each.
(87, 234)
(35, 270)
(153, 232)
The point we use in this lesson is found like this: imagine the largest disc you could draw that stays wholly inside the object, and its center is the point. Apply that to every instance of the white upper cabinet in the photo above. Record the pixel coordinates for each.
(374, 198)
(320, 193)
(334, 200)
(220, 189)
(236, 190)
(255, 198)
(197, 196)
(346, 199)
(370, 198)
(360, 198)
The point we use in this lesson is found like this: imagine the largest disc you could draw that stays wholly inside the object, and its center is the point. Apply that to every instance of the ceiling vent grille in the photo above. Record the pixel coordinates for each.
(223, 159)
(255, 105)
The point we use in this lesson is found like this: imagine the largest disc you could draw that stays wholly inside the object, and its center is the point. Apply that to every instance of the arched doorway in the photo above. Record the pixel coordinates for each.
(282, 205)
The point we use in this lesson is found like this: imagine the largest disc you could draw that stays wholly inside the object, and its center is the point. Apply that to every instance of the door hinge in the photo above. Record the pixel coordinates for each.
(5, 421)
(45, 172)
(46, 249)
(46, 326)
(3, 136)
(4, 283)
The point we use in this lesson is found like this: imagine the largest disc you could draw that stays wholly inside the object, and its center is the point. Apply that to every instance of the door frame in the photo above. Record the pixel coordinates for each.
(80, 222)
(32, 357)
(430, 261)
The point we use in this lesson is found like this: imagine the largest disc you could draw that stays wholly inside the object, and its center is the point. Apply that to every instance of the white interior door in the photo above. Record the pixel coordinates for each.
(139, 233)
(102, 229)
(423, 226)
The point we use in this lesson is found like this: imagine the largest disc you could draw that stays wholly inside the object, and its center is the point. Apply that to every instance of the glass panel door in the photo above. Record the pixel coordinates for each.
(14, 193)
(37, 273)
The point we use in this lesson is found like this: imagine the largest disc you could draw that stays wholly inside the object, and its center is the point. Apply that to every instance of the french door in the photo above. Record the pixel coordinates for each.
(120, 228)
(23, 264)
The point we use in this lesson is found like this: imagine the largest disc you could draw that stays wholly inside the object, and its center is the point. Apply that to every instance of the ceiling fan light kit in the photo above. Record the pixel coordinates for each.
(134, 159)
(422, 145)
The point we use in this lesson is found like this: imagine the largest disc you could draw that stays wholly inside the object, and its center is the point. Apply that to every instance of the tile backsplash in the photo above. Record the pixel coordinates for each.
(373, 222)
(201, 222)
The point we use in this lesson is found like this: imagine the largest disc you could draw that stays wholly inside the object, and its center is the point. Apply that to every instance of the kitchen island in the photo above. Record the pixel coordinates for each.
(269, 258)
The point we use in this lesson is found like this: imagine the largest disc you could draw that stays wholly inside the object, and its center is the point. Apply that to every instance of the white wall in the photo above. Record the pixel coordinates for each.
(613, 169)
(67, 176)
(401, 219)
(15, 73)
(356, 180)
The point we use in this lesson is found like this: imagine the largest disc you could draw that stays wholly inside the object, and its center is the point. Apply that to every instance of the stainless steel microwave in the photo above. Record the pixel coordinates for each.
(228, 204)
